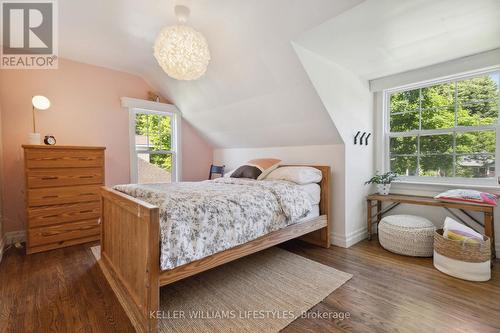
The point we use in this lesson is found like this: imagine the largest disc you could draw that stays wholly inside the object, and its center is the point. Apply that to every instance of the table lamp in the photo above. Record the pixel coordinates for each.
(39, 103)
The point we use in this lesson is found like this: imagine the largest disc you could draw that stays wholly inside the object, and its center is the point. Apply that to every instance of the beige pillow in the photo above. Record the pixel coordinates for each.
(256, 169)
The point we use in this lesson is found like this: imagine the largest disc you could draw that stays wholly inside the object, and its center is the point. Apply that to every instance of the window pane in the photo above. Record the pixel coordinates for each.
(404, 145)
(154, 168)
(141, 131)
(153, 132)
(476, 166)
(436, 144)
(438, 118)
(165, 136)
(478, 89)
(404, 122)
(405, 101)
(476, 142)
(404, 165)
(478, 113)
(436, 166)
(438, 95)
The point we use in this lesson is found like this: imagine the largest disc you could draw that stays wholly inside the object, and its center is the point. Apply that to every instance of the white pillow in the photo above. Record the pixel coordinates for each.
(297, 174)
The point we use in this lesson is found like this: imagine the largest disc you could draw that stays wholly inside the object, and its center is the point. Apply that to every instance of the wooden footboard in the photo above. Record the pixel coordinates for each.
(130, 255)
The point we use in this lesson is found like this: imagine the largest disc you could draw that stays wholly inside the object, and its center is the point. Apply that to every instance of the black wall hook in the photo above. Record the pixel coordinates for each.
(361, 139)
(364, 137)
(356, 138)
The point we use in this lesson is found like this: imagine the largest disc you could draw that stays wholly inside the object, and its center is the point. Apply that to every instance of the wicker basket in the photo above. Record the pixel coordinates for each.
(468, 261)
(459, 250)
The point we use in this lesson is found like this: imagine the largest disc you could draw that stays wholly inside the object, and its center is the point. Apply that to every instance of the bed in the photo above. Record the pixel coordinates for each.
(140, 251)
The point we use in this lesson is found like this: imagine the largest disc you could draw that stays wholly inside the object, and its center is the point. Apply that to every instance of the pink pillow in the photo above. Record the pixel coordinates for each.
(468, 196)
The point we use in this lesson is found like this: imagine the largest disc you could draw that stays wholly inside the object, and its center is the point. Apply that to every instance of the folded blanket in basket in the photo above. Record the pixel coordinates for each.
(457, 231)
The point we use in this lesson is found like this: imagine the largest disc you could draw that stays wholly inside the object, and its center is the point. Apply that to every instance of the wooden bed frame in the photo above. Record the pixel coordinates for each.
(130, 250)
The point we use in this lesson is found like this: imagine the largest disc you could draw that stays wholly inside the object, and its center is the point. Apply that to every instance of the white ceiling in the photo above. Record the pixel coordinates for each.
(384, 37)
(255, 92)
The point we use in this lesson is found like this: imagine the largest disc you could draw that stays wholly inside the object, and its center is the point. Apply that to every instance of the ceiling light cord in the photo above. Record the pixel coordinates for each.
(182, 13)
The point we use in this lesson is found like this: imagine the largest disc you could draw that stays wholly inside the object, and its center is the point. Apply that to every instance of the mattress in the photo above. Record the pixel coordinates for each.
(313, 190)
(198, 219)
(314, 212)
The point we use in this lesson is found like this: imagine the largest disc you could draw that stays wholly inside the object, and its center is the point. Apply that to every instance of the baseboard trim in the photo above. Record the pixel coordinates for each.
(351, 239)
(13, 237)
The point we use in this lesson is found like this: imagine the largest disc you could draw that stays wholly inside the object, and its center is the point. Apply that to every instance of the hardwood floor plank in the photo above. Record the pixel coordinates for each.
(57, 291)
(398, 292)
(64, 291)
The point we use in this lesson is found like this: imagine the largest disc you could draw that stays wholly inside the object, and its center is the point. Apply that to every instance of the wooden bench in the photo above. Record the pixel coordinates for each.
(397, 199)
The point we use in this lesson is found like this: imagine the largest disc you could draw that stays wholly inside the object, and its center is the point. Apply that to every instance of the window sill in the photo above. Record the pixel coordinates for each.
(438, 186)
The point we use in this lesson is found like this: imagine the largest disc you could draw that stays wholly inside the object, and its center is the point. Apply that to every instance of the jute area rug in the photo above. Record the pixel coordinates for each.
(260, 293)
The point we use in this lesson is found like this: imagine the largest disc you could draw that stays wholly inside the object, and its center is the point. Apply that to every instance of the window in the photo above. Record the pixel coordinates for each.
(154, 143)
(446, 130)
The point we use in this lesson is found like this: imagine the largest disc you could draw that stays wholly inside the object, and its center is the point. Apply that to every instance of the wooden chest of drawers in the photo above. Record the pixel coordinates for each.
(62, 195)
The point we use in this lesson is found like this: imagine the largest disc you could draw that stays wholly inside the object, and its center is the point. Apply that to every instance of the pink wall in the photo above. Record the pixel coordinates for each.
(197, 154)
(85, 110)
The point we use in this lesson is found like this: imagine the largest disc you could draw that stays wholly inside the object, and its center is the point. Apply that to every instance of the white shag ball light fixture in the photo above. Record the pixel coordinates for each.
(181, 51)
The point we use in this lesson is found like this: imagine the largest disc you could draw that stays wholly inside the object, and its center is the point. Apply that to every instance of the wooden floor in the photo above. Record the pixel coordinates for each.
(64, 291)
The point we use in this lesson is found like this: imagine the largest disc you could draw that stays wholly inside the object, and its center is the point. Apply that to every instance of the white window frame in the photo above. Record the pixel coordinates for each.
(440, 180)
(134, 106)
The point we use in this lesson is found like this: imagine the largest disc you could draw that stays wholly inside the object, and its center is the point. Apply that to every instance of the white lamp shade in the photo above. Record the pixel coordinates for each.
(182, 52)
(40, 102)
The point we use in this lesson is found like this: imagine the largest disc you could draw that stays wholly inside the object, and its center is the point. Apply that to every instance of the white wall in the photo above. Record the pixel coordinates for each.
(460, 65)
(350, 105)
(331, 155)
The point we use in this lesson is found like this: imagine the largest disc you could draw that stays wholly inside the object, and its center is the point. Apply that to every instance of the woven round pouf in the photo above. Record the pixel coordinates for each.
(407, 235)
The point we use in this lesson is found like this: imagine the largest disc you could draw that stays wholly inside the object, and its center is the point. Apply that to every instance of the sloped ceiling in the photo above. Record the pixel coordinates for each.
(383, 37)
(255, 92)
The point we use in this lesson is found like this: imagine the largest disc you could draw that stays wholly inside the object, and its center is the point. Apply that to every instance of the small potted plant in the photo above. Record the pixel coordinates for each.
(383, 181)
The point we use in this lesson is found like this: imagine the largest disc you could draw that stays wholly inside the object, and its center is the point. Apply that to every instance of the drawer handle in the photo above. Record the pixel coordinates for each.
(86, 177)
(85, 159)
(85, 211)
(50, 196)
(50, 178)
(51, 216)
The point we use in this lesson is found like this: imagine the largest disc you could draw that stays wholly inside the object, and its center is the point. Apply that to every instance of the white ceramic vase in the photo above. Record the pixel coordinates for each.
(383, 189)
(34, 138)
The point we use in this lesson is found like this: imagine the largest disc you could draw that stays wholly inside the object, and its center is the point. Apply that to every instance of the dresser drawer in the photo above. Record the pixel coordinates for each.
(58, 234)
(63, 195)
(63, 158)
(37, 178)
(48, 215)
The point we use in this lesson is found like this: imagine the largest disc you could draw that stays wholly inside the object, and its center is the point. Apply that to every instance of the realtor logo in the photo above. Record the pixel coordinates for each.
(28, 34)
